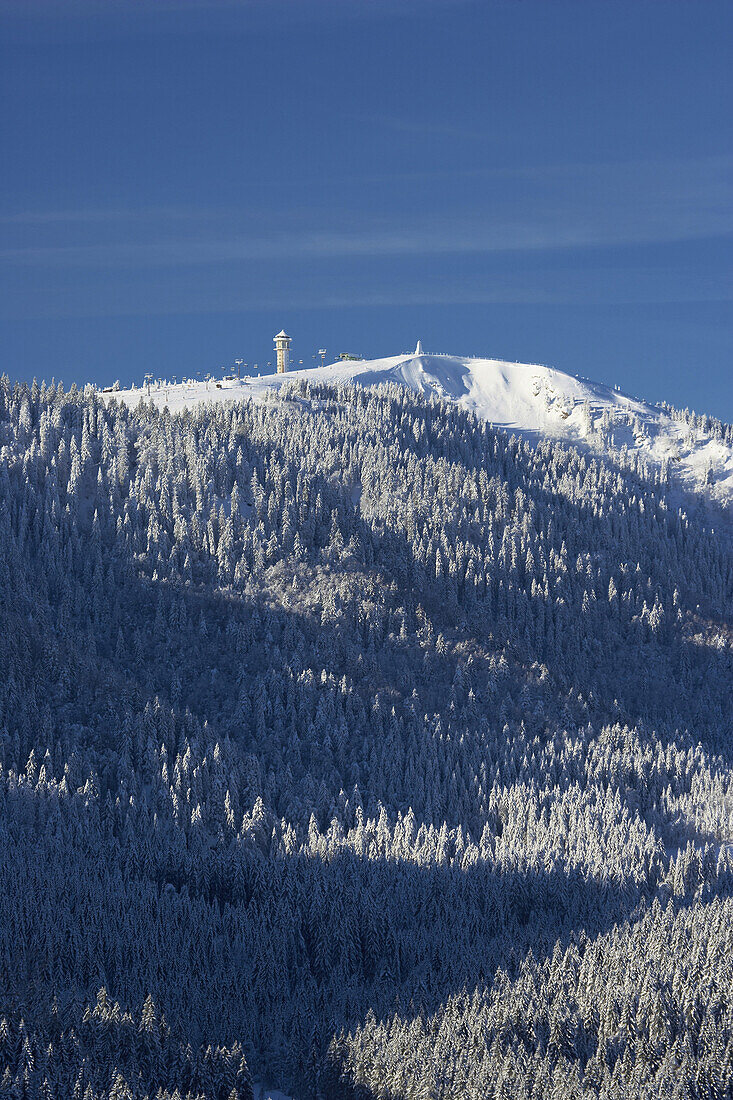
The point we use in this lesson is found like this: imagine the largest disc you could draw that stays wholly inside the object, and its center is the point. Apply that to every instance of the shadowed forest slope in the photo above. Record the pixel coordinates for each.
(352, 744)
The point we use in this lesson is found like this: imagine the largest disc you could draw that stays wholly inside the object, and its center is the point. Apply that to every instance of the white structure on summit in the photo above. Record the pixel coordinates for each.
(282, 347)
(419, 349)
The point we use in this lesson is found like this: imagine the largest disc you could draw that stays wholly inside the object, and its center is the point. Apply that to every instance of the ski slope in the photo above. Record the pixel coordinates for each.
(524, 398)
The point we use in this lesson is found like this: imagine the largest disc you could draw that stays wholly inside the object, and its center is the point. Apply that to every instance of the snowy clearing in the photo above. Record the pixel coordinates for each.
(264, 1092)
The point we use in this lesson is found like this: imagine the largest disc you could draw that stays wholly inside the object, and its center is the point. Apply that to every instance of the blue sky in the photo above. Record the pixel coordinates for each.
(549, 182)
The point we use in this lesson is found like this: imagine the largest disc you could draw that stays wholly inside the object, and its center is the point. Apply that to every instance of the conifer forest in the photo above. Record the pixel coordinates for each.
(351, 745)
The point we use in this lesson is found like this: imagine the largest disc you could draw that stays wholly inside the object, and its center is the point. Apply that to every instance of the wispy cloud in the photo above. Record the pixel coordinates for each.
(585, 286)
(479, 236)
(555, 208)
(551, 239)
(99, 216)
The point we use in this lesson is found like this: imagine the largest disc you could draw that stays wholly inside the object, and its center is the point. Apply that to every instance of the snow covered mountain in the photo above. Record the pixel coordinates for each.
(351, 746)
(525, 398)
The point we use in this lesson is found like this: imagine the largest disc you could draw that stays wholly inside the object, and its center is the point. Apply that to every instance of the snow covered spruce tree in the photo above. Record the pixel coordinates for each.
(348, 743)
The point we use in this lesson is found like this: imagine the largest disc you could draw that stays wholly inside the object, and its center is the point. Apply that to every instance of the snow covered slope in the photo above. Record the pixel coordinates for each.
(521, 397)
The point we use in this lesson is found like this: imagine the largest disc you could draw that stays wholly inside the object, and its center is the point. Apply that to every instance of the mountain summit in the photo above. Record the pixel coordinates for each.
(531, 399)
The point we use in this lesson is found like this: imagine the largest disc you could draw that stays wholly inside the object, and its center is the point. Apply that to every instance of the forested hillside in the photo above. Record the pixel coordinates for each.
(349, 743)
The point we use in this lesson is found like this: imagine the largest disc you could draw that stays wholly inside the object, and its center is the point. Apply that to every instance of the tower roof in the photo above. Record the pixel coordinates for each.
(282, 332)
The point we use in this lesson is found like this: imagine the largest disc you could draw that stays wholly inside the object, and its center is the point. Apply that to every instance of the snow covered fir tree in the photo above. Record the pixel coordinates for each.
(350, 743)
